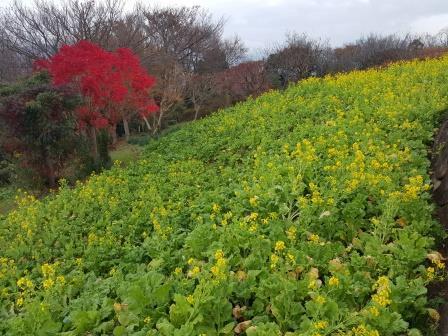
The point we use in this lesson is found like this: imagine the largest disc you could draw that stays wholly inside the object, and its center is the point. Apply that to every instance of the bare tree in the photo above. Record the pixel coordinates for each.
(376, 50)
(184, 33)
(12, 65)
(180, 42)
(300, 57)
(128, 32)
(39, 30)
(169, 91)
(222, 55)
(200, 89)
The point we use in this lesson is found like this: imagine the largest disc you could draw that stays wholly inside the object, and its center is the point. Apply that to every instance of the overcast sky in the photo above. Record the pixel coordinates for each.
(262, 22)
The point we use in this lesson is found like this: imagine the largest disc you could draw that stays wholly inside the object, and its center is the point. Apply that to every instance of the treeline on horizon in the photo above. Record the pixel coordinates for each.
(197, 70)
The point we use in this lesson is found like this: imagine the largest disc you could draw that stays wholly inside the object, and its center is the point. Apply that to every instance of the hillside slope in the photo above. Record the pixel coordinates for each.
(304, 212)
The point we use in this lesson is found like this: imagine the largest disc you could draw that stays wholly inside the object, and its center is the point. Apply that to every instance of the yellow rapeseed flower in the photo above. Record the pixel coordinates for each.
(20, 301)
(291, 233)
(320, 324)
(374, 311)
(60, 279)
(314, 238)
(48, 283)
(333, 281)
(320, 299)
(190, 299)
(25, 283)
(219, 254)
(274, 260)
(279, 246)
(253, 200)
(430, 273)
(194, 271)
(253, 216)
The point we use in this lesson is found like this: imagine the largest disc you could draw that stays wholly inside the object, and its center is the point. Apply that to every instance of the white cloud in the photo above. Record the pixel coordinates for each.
(431, 24)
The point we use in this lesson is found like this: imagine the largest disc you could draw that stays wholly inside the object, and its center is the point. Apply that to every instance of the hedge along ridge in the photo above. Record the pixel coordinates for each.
(303, 212)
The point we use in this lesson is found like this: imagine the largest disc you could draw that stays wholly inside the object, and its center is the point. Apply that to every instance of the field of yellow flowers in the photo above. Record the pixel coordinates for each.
(303, 212)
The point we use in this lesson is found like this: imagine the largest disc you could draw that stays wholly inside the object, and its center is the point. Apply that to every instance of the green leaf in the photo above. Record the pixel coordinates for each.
(227, 329)
(120, 331)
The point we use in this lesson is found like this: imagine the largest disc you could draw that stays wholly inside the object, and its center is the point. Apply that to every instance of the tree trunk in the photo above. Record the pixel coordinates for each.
(94, 145)
(196, 112)
(127, 133)
(51, 175)
(113, 134)
(159, 122)
(147, 123)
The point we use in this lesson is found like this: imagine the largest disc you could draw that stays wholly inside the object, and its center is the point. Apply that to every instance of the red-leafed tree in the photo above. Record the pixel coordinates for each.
(114, 85)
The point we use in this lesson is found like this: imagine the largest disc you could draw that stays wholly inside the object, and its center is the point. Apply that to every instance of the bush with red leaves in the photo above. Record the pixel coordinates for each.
(114, 85)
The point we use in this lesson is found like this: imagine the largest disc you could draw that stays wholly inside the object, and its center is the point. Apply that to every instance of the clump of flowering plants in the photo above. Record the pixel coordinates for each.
(114, 85)
(305, 212)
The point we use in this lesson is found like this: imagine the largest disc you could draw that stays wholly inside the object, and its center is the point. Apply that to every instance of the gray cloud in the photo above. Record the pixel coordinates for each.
(340, 21)
(263, 22)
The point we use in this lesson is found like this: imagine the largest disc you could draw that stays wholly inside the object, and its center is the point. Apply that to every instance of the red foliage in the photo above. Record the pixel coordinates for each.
(113, 84)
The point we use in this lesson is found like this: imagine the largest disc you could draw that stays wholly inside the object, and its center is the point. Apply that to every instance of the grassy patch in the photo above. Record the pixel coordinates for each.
(125, 153)
(7, 199)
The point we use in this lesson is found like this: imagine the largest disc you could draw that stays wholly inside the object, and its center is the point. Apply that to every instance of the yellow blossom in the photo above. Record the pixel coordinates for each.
(20, 301)
(190, 299)
(48, 283)
(279, 246)
(320, 299)
(333, 281)
(274, 260)
(291, 258)
(25, 283)
(194, 271)
(253, 228)
(320, 324)
(382, 286)
(430, 273)
(219, 254)
(253, 200)
(363, 331)
(48, 270)
(221, 262)
(314, 238)
(291, 233)
(216, 207)
(215, 270)
(374, 311)
(312, 284)
(253, 216)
